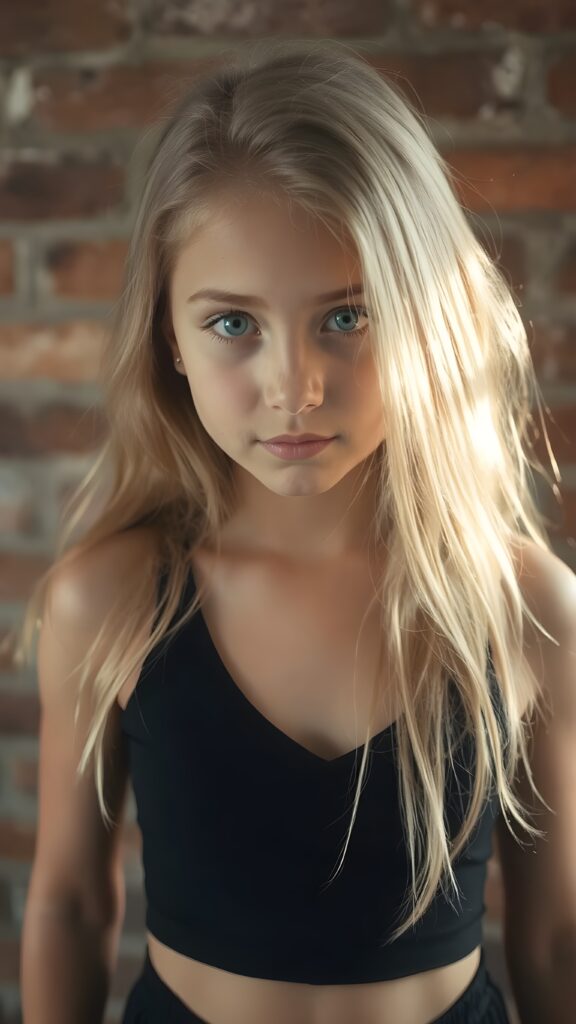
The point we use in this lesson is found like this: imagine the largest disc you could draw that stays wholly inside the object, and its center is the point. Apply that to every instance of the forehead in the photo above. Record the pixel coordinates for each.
(259, 241)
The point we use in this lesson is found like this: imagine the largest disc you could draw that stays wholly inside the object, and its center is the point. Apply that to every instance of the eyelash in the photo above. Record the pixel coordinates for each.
(234, 312)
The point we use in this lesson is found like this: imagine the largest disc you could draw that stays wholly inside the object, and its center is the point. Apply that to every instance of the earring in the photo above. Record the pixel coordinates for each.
(178, 360)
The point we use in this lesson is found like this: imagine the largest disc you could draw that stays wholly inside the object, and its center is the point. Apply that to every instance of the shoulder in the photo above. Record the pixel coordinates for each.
(547, 584)
(86, 581)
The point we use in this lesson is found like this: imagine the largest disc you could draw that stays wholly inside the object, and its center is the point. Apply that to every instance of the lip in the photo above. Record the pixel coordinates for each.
(296, 438)
(296, 452)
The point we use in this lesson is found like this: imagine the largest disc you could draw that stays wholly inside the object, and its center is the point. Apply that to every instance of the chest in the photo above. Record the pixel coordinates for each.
(303, 648)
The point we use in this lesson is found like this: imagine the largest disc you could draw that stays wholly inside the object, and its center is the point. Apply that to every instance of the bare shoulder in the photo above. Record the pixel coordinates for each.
(85, 583)
(547, 584)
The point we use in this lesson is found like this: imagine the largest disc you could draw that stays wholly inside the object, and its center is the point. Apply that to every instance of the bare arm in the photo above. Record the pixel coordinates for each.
(67, 966)
(76, 899)
(540, 878)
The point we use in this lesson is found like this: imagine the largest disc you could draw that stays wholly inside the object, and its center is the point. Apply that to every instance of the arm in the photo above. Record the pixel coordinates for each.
(540, 879)
(75, 900)
(67, 966)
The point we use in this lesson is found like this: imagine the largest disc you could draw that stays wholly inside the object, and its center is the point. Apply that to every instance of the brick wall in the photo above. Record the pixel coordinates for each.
(79, 84)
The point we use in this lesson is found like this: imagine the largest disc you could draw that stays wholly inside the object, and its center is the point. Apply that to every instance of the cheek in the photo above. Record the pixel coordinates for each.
(222, 396)
(367, 398)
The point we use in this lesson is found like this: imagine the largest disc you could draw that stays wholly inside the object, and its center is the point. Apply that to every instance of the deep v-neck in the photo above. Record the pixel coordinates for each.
(382, 741)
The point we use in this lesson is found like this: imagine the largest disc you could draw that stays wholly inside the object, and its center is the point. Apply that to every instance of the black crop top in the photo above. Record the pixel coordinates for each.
(242, 827)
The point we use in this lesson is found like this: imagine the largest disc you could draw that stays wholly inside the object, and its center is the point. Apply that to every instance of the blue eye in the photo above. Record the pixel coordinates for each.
(236, 315)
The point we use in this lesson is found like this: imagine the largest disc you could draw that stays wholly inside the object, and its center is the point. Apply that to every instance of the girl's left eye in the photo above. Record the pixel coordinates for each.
(238, 314)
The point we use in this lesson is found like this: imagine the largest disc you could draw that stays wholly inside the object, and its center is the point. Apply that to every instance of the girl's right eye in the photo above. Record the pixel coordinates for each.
(232, 314)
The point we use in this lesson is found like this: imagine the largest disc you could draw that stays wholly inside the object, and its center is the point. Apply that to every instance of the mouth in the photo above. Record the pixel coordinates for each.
(303, 450)
(297, 439)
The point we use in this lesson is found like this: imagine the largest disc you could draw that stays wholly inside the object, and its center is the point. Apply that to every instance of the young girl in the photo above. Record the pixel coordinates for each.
(293, 614)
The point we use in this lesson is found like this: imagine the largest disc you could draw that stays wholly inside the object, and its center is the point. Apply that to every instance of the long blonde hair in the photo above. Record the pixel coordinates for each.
(316, 123)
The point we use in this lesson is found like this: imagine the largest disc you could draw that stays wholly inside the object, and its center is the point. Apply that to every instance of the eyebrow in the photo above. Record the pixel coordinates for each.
(254, 300)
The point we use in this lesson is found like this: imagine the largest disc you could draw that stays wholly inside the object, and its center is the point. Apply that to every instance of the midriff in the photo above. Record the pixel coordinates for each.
(221, 997)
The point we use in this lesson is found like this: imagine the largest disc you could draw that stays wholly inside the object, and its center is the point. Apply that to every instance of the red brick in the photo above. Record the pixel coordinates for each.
(521, 15)
(17, 839)
(6, 663)
(23, 773)
(518, 178)
(265, 17)
(19, 511)
(566, 271)
(85, 269)
(57, 26)
(19, 713)
(52, 188)
(553, 349)
(19, 573)
(561, 83)
(6, 267)
(6, 915)
(58, 426)
(565, 516)
(81, 100)
(67, 351)
(89, 100)
(455, 84)
(509, 253)
(9, 958)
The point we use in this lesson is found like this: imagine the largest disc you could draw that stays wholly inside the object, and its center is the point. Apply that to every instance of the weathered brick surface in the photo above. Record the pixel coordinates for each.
(65, 351)
(266, 17)
(566, 272)
(452, 84)
(19, 713)
(561, 428)
(99, 99)
(18, 572)
(6, 267)
(561, 83)
(126, 96)
(62, 26)
(80, 86)
(23, 775)
(510, 255)
(553, 347)
(9, 958)
(522, 15)
(20, 511)
(53, 189)
(84, 269)
(17, 839)
(510, 179)
(56, 427)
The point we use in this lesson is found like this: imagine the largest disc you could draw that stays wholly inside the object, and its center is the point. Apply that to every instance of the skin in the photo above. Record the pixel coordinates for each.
(292, 367)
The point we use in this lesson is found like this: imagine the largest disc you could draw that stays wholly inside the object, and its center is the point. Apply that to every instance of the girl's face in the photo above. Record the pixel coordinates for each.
(283, 356)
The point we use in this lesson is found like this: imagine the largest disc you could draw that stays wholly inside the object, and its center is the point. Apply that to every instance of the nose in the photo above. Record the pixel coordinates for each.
(293, 399)
(297, 383)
